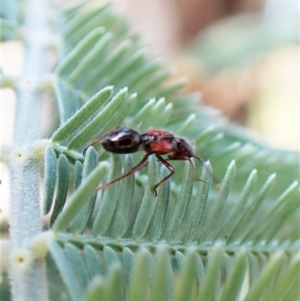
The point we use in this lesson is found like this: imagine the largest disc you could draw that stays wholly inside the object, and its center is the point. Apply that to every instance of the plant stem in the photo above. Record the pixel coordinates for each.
(28, 277)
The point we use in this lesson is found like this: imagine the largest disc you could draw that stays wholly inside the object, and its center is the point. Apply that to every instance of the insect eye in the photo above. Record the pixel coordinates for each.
(125, 142)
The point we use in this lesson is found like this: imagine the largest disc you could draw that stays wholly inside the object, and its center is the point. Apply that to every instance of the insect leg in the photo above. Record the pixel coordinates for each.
(170, 168)
(134, 169)
(177, 157)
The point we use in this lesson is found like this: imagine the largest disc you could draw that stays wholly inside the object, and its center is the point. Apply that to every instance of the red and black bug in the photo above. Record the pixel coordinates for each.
(123, 140)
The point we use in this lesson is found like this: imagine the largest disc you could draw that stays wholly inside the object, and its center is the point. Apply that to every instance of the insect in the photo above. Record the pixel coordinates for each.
(124, 140)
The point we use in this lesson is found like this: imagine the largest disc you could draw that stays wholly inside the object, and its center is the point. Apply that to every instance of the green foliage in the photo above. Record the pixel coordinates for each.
(194, 241)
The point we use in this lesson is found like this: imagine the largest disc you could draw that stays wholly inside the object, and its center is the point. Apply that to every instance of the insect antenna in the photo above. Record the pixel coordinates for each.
(215, 179)
(195, 174)
(91, 144)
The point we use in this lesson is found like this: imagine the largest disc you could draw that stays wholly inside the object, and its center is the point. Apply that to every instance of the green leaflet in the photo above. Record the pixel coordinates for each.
(90, 59)
(79, 222)
(182, 204)
(197, 205)
(113, 61)
(96, 125)
(49, 179)
(135, 61)
(234, 216)
(219, 205)
(208, 287)
(236, 278)
(249, 215)
(283, 208)
(147, 70)
(63, 175)
(109, 289)
(80, 117)
(148, 204)
(162, 278)
(109, 200)
(268, 274)
(159, 218)
(97, 289)
(66, 271)
(155, 83)
(286, 278)
(122, 212)
(139, 278)
(188, 276)
(67, 66)
(79, 268)
(78, 199)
